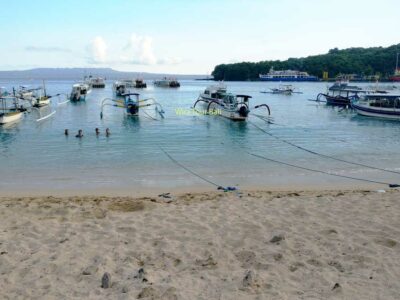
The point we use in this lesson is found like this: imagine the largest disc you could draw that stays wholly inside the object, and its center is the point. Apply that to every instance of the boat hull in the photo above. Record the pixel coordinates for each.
(337, 101)
(42, 103)
(219, 110)
(289, 79)
(10, 117)
(387, 113)
(78, 98)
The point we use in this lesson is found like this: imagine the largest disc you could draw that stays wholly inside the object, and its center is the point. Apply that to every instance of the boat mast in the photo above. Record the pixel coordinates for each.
(44, 88)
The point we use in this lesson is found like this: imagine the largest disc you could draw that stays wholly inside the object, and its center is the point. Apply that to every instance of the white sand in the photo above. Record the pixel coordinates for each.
(335, 245)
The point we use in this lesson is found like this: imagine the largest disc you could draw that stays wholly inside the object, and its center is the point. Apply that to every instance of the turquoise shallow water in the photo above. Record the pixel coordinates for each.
(37, 157)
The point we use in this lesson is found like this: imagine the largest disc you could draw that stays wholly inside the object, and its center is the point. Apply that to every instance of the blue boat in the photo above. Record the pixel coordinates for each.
(287, 75)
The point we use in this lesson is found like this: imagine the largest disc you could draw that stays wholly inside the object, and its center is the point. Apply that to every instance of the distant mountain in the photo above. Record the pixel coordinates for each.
(79, 73)
(379, 61)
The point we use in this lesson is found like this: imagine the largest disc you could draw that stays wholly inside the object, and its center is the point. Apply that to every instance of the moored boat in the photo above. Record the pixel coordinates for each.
(285, 89)
(95, 82)
(132, 104)
(380, 105)
(120, 88)
(341, 94)
(135, 83)
(216, 100)
(79, 92)
(10, 113)
(167, 82)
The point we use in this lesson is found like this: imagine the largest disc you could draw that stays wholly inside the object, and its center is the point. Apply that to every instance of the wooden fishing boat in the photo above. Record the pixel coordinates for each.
(10, 113)
(341, 94)
(216, 100)
(131, 103)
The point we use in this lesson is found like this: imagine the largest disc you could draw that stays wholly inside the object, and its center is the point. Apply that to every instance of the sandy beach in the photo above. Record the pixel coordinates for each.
(215, 245)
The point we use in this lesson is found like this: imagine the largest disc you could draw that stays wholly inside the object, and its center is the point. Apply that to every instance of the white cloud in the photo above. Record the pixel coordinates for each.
(98, 50)
(138, 51)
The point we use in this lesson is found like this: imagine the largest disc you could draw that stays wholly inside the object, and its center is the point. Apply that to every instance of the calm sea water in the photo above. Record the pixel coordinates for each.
(37, 157)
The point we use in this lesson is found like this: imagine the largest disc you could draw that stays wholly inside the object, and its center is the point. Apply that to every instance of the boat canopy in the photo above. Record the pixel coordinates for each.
(244, 96)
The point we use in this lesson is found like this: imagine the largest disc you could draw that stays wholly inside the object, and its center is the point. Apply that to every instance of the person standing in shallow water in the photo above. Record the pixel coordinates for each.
(107, 132)
(80, 134)
(66, 133)
(97, 131)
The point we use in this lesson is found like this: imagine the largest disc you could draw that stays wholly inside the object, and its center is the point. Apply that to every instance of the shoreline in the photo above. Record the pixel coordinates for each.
(151, 192)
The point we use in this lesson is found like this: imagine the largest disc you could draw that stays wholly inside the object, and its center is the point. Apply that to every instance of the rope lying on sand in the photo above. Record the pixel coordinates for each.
(391, 185)
(320, 154)
(220, 187)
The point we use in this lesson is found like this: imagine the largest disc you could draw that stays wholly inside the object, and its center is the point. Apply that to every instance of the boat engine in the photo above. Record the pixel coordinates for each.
(243, 111)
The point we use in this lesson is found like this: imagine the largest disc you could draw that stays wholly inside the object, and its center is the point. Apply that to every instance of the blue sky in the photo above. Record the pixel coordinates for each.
(188, 37)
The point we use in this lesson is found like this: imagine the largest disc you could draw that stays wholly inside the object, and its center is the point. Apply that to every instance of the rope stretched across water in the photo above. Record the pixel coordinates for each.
(194, 173)
(320, 154)
(391, 185)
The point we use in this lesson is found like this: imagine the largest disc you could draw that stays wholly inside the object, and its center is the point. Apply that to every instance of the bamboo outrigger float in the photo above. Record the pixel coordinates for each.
(132, 104)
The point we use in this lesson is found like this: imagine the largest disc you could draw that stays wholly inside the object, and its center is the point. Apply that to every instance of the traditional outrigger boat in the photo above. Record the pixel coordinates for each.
(79, 92)
(132, 104)
(216, 100)
(283, 89)
(10, 113)
(380, 105)
(37, 97)
(341, 94)
(120, 88)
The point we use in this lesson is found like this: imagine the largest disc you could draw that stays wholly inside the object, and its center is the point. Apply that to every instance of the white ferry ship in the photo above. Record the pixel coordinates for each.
(287, 75)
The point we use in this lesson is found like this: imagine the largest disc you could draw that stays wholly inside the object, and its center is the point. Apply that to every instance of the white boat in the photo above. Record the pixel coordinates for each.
(95, 82)
(379, 105)
(23, 93)
(39, 97)
(9, 113)
(134, 83)
(79, 92)
(167, 82)
(120, 88)
(215, 100)
(285, 89)
(287, 75)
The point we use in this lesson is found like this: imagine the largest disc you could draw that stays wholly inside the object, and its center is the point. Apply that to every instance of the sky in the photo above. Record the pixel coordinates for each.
(185, 37)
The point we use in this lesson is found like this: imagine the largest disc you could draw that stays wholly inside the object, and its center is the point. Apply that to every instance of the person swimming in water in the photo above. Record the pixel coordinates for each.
(80, 133)
(107, 132)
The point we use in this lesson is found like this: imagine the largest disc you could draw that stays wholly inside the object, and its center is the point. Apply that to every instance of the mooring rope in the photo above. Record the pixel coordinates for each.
(220, 187)
(391, 185)
(320, 154)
